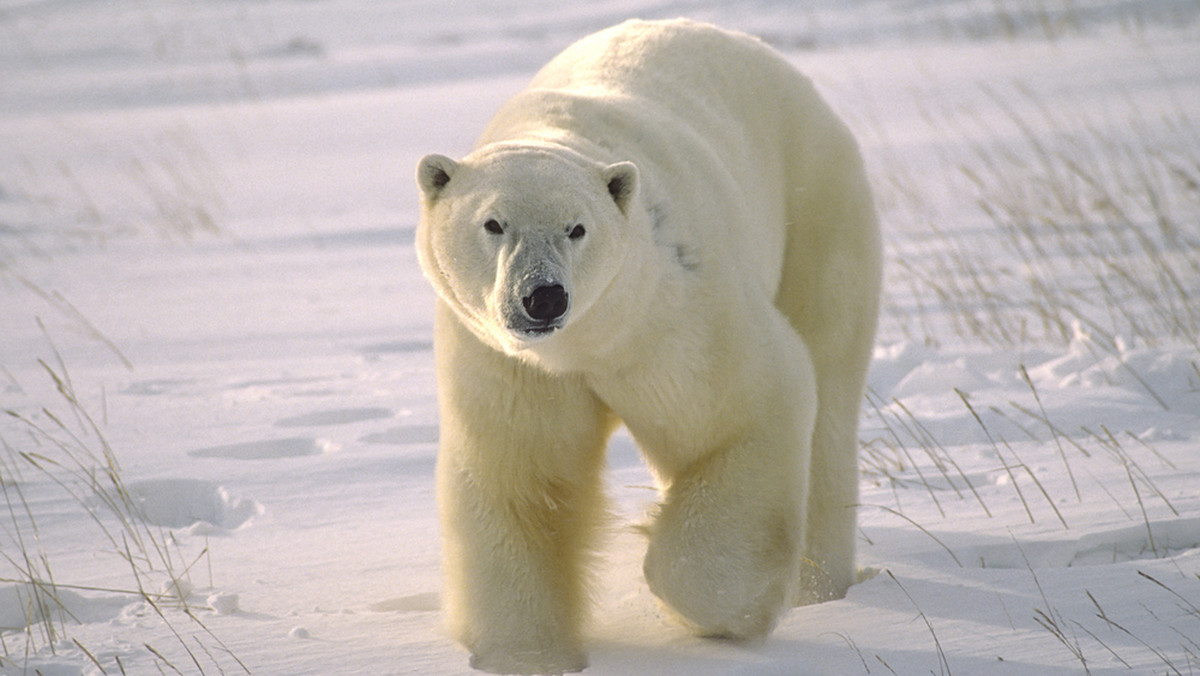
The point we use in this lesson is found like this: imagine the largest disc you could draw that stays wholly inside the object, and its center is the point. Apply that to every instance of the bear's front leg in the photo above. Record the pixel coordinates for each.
(514, 581)
(520, 498)
(725, 547)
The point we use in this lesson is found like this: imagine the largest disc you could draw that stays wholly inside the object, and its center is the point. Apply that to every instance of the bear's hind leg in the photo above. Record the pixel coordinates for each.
(829, 292)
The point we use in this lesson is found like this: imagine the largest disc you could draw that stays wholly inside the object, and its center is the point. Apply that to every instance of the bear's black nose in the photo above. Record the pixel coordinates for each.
(546, 303)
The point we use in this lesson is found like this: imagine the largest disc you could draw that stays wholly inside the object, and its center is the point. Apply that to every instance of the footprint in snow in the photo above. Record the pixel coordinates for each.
(404, 436)
(23, 605)
(396, 347)
(413, 603)
(157, 386)
(190, 503)
(338, 416)
(269, 449)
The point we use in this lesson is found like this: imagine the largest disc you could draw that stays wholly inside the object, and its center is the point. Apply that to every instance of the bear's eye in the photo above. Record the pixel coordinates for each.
(577, 232)
(493, 226)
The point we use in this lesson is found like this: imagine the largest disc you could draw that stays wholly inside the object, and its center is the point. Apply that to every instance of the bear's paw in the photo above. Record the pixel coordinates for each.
(531, 662)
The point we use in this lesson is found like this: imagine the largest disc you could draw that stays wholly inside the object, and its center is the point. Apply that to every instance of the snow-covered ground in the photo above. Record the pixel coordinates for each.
(215, 344)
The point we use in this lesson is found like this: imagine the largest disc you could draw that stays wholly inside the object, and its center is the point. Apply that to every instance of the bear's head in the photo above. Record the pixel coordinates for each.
(521, 240)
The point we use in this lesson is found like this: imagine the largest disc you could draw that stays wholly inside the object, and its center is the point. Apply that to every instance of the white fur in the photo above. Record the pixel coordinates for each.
(724, 282)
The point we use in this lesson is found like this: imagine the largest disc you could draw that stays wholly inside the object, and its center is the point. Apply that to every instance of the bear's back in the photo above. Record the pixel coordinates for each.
(686, 67)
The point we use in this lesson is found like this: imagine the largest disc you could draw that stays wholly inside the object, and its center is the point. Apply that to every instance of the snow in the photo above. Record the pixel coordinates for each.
(216, 360)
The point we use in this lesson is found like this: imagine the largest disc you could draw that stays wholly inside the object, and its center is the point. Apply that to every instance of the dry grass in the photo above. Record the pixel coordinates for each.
(65, 450)
(1077, 230)
(1080, 225)
(163, 183)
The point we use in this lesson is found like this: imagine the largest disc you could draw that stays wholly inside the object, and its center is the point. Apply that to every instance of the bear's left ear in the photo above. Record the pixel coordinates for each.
(433, 173)
(622, 181)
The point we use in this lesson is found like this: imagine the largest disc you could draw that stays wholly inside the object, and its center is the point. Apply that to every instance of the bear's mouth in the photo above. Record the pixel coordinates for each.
(527, 331)
(537, 330)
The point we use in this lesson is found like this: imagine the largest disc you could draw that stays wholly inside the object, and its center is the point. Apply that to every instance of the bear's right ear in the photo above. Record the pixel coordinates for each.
(622, 182)
(433, 173)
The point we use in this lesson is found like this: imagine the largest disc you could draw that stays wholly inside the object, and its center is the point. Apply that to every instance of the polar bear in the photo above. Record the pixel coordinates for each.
(670, 230)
